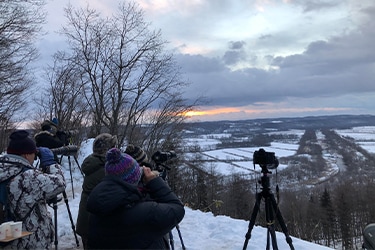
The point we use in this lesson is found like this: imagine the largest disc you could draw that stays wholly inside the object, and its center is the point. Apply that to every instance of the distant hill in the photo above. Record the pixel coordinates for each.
(282, 124)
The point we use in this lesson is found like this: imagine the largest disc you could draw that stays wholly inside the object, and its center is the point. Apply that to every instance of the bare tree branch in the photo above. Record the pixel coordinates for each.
(129, 78)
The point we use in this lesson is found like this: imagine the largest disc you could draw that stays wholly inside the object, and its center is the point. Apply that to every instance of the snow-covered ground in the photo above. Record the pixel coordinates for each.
(364, 136)
(198, 231)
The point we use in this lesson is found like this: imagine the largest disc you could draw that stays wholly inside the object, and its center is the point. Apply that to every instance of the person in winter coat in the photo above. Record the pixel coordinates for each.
(47, 136)
(93, 168)
(138, 154)
(119, 216)
(29, 188)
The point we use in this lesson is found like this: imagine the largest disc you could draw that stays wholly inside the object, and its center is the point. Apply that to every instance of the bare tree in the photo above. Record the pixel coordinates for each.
(129, 79)
(20, 24)
(63, 98)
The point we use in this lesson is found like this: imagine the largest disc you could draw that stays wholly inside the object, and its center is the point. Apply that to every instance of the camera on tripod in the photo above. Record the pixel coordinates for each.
(265, 159)
(160, 157)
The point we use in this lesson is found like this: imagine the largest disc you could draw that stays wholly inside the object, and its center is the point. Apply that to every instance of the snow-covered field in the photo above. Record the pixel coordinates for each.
(364, 136)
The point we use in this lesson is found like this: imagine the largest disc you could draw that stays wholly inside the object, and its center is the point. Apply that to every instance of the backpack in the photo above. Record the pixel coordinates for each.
(5, 213)
(369, 236)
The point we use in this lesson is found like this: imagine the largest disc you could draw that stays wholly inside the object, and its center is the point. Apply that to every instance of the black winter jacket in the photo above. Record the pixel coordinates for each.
(121, 219)
(93, 168)
(48, 140)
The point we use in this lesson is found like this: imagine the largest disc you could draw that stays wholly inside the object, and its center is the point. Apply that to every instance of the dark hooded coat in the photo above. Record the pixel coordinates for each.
(48, 140)
(121, 219)
(93, 168)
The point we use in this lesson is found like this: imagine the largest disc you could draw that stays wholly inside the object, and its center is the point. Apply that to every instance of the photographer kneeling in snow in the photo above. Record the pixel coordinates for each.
(29, 189)
(120, 217)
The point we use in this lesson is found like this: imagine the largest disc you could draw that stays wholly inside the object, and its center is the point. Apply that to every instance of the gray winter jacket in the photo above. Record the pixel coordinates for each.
(27, 195)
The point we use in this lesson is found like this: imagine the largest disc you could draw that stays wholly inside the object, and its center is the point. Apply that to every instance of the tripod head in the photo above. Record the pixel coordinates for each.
(265, 179)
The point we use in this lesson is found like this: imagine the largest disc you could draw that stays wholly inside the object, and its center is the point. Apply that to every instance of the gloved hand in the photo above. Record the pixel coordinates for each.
(46, 157)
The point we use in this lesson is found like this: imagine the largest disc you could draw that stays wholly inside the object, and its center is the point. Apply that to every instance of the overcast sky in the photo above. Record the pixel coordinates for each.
(261, 58)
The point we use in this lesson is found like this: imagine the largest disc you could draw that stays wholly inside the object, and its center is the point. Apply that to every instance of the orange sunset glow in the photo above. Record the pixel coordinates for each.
(212, 112)
(238, 112)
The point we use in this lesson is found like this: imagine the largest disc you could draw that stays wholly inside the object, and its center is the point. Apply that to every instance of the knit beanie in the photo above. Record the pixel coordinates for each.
(122, 165)
(137, 153)
(103, 142)
(20, 143)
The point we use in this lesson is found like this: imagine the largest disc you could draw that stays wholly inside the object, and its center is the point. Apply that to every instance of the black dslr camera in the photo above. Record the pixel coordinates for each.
(265, 159)
(160, 157)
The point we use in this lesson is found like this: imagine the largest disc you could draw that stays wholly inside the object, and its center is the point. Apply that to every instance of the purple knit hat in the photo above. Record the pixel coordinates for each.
(122, 165)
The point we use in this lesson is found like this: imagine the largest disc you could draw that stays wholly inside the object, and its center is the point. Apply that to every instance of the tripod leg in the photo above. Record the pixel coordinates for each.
(179, 234)
(268, 239)
(55, 218)
(79, 167)
(252, 219)
(270, 223)
(273, 238)
(70, 217)
(71, 176)
(171, 241)
(281, 222)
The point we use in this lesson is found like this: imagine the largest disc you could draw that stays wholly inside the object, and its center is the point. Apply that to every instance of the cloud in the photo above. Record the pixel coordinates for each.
(318, 5)
(198, 64)
(235, 54)
(340, 65)
(310, 55)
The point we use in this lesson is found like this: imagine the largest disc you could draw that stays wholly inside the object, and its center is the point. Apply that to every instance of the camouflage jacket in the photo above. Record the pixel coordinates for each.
(27, 195)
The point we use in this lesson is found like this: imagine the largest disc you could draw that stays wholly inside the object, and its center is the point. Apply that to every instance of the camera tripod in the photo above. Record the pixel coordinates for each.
(164, 175)
(53, 202)
(54, 206)
(70, 168)
(271, 209)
